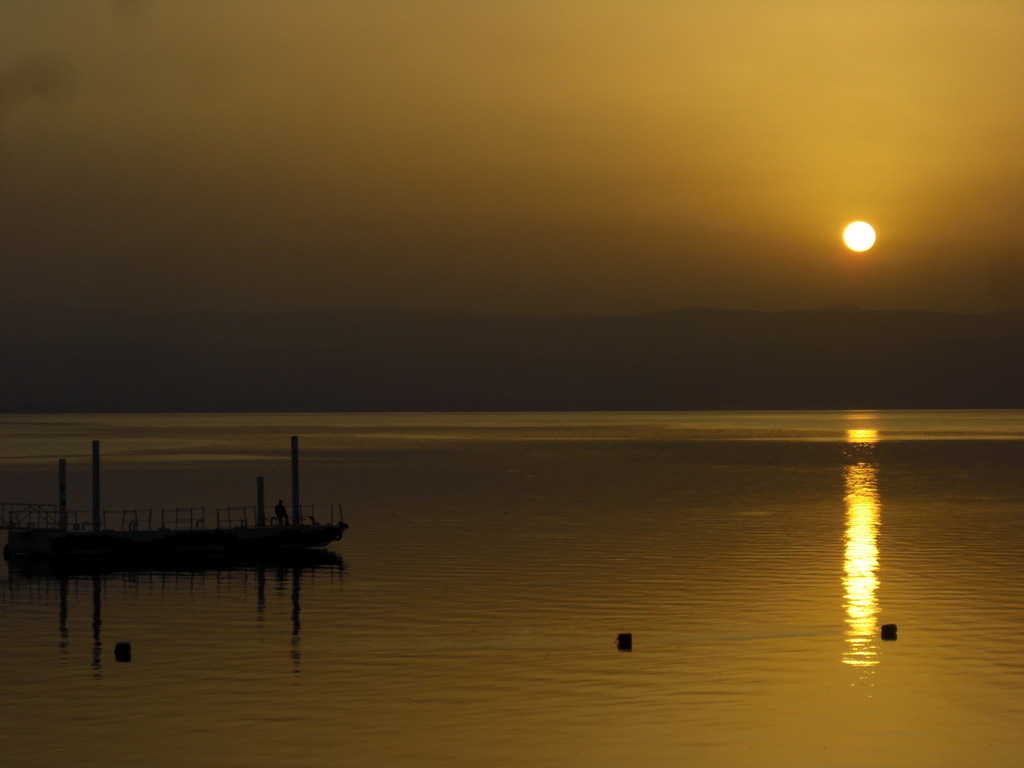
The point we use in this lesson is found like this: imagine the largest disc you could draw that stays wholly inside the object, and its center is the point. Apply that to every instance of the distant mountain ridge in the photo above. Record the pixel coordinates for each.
(367, 359)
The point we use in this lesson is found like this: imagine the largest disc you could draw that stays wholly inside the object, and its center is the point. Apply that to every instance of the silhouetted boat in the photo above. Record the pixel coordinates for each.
(52, 531)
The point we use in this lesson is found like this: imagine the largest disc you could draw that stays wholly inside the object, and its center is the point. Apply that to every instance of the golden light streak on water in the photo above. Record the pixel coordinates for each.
(865, 437)
(860, 580)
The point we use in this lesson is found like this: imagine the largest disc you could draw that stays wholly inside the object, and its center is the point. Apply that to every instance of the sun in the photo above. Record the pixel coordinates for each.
(859, 236)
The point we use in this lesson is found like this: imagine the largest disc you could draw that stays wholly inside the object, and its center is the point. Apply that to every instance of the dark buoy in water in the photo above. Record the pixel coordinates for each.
(123, 652)
(888, 631)
(625, 641)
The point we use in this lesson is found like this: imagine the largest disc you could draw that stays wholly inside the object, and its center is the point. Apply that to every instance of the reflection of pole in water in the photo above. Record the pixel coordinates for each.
(97, 622)
(64, 636)
(168, 580)
(860, 563)
(296, 610)
(261, 592)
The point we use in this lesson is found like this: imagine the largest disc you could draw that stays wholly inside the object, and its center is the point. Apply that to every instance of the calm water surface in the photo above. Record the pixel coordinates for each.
(471, 613)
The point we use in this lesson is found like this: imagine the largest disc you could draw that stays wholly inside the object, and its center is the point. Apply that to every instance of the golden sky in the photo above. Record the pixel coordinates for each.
(514, 155)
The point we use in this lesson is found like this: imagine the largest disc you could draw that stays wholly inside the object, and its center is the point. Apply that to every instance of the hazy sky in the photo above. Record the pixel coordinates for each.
(523, 155)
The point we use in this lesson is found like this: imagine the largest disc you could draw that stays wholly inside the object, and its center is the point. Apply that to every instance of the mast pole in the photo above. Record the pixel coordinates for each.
(62, 473)
(296, 508)
(97, 523)
(261, 515)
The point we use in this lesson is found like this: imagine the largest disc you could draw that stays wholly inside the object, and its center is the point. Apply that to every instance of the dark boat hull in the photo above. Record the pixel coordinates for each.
(163, 543)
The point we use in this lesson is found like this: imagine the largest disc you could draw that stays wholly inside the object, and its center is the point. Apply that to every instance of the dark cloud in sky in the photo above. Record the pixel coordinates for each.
(565, 156)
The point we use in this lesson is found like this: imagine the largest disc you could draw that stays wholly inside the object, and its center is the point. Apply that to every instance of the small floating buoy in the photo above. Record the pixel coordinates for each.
(888, 631)
(625, 641)
(123, 652)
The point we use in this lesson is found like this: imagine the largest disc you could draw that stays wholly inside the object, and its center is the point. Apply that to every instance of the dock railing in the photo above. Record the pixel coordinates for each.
(29, 516)
(307, 516)
(234, 517)
(128, 520)
(183, 518)
(16, 516)
(244, 517)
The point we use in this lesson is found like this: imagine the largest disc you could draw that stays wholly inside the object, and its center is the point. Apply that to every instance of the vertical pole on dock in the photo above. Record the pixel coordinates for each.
(62, 507)
(296, 509)
(261, 515)
(97, 524)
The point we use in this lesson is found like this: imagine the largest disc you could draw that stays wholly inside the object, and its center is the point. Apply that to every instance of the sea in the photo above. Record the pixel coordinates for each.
(473, 613)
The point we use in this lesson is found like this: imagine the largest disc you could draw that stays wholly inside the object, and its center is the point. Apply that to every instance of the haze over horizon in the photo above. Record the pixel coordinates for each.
(599, 157)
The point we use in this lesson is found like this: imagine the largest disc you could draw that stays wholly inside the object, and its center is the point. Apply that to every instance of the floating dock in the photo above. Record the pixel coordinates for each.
(53, 531)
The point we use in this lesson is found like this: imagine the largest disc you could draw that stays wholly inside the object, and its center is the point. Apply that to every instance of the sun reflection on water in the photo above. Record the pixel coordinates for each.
(860, 580)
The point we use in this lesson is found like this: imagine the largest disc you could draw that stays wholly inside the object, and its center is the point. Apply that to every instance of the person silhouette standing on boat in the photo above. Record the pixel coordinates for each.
(281, 512)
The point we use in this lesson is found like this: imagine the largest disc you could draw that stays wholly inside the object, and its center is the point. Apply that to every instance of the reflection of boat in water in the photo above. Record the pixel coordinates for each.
(37, 578)
(71, 566)
(51, 531)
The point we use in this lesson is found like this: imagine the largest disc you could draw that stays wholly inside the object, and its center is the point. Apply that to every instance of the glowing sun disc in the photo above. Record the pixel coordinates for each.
(859, 236)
